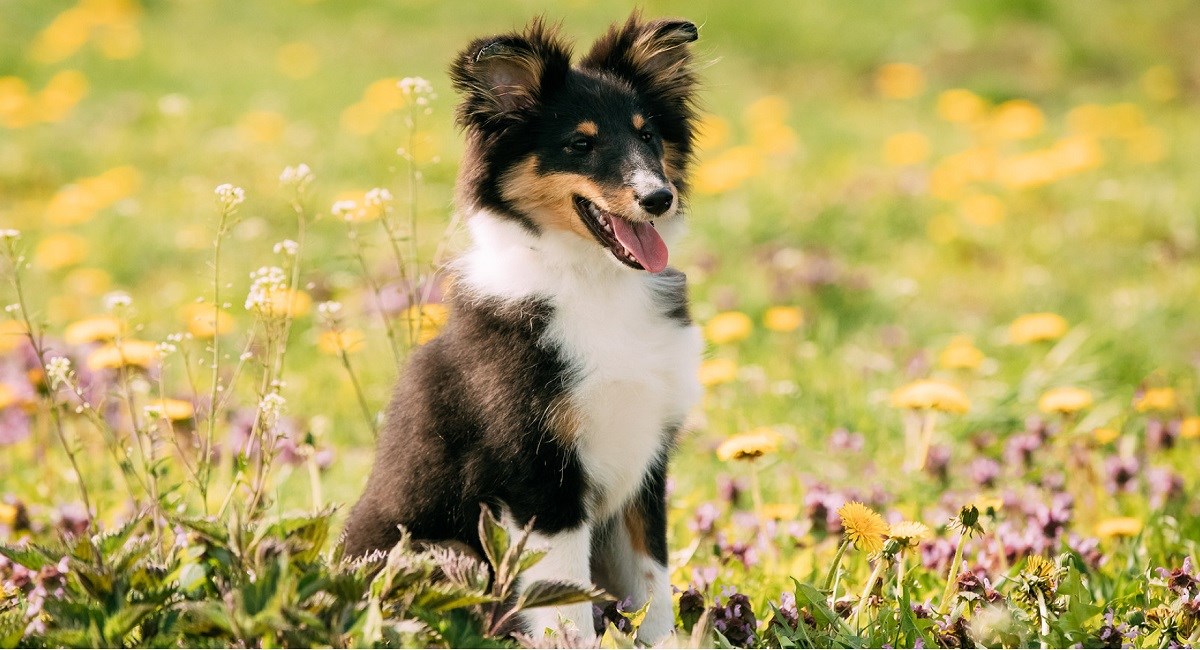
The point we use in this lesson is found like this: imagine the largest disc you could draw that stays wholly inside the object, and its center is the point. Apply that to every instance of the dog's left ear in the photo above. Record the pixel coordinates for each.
(653, 56)
(503, 77)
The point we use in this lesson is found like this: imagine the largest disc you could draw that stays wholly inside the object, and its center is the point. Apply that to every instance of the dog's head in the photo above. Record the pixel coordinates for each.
(598, 150)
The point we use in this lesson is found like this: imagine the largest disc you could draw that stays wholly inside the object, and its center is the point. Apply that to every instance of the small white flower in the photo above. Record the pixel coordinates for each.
(266, 282)
(344, 210)
(270, 408)
(378, 198)
(287, 247)
(329, 308)
(166, 348)
(298, 177)
(416, 87)
(9, 233)
(13, 308)
(58, 370)
(117, 300)
(229, 196)
(153, 411)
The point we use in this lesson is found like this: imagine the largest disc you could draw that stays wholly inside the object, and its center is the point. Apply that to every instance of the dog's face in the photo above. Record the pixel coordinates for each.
(598, 151)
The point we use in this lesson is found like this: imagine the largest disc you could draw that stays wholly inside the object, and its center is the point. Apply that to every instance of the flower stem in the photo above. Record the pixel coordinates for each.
(862, 601)
(837, 562)
(953, 575)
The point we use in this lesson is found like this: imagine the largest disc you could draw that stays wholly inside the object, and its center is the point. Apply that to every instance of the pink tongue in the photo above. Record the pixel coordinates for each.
(641, 239)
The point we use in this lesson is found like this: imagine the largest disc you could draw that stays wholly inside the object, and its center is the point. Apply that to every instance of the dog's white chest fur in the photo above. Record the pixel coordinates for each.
(636, 368)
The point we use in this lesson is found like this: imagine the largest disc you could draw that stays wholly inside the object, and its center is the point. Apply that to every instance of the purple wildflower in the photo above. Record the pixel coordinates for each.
(984, 472)
(734, 618)
(1121, 474)
(842, 439)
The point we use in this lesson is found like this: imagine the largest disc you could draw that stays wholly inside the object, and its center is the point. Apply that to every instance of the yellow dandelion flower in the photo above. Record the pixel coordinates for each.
(727, 170)
(1065, 400)
(175, 410)
(863, 527)
(9, 515)
(1119, 527)
(1156, 399)
(262, 126)
(384, 95)
(899, 80)
(728, 327)
(779, 511)
(1189, 428)
(783, 319)
(1105, 435)
(279, 301)
(1017, 119)
(91, 330)
(12, 332)
(960, 354)
(141, 354)
(910, 533)
(982, 209)
(931, 394)
(960, 106)
(1032, 328)
(749, 445)
(335, 342)
(714, 372)
(428, 320)
(906, 149)
(203, 322)
(59, 251)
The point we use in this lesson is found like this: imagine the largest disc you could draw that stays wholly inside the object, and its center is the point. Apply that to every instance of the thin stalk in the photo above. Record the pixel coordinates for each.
(215, 389)
(40, 352)
(837, 562)
(376, 292)
(358, 391)
(862, 601)
(950, 579)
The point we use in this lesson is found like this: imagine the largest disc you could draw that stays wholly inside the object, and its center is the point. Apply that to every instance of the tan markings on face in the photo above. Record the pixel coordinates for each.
(588, 127)
(635, 524)
(549, 199)
(639, 122)
(674, 162)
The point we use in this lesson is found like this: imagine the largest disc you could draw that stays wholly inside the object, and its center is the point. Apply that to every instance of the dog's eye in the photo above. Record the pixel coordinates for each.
(646, 136)
(581, 145)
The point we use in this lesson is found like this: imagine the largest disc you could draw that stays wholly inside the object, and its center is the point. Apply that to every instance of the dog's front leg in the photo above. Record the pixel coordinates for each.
(568, 557)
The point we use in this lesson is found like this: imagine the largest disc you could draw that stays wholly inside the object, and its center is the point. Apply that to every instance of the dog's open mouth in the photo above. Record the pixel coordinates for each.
(637, 244)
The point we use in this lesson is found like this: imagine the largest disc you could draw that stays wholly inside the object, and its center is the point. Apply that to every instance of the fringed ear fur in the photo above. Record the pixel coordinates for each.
(653, 56)
(503, 76)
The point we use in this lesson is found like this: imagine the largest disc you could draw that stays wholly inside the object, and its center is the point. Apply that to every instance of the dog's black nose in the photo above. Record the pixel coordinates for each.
(658, 201)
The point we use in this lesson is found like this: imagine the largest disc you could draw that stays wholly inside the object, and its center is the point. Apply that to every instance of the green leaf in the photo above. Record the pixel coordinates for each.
(116, 627)
(207, 527)
(616, 639)
(493, 536)
(31, 557)
(443, 598)
(555, 593)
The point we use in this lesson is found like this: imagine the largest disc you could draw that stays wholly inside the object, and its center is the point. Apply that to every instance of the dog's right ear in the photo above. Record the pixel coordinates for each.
(503, 77)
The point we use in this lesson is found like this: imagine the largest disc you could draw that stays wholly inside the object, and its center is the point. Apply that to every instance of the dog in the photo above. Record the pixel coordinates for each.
(556, 391)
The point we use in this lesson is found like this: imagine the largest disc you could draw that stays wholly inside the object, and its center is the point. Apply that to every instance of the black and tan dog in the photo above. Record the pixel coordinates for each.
(569, 361)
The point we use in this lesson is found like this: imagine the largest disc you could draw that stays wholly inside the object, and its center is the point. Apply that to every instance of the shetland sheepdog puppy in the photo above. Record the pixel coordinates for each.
(557, 388)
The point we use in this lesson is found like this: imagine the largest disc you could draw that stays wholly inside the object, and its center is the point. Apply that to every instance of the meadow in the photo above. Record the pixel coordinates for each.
(946, 258)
